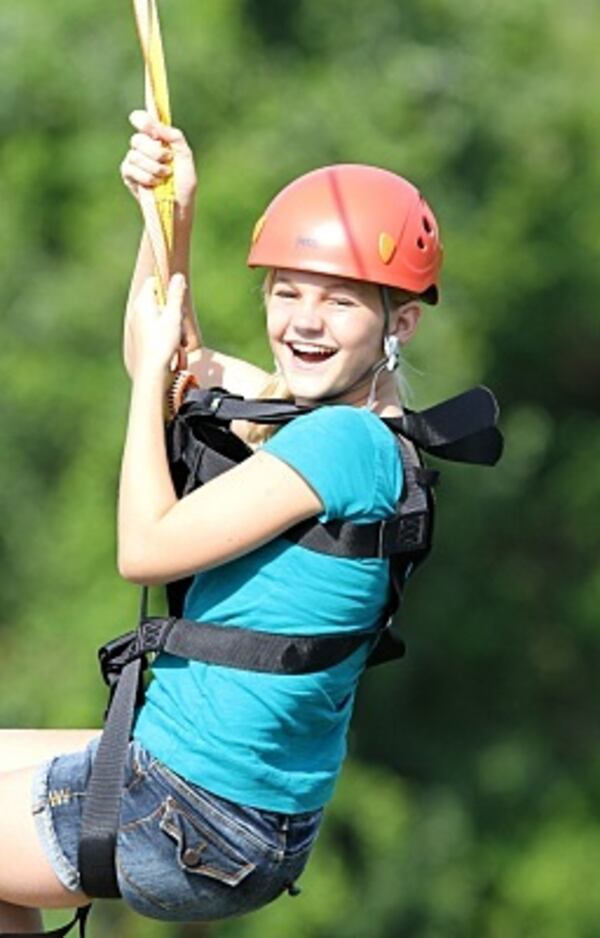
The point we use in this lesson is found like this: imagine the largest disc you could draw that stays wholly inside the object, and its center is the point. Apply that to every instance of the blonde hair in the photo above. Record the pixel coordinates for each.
(276, 387)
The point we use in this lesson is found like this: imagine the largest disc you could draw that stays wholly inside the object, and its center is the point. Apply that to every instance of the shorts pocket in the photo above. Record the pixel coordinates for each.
(200, 850)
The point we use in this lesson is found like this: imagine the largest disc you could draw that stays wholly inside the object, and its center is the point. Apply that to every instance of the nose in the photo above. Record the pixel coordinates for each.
(307, 315)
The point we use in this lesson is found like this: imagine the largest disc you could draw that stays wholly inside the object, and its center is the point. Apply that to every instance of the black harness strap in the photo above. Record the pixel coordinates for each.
(461, 429)
(102, 804)
(404, 533)
(228, 646)
(223, 406)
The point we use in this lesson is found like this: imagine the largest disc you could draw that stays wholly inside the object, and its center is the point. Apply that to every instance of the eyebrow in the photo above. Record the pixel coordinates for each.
(334, 285)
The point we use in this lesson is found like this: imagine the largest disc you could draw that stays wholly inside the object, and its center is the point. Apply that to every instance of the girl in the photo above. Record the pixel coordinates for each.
(228, 770)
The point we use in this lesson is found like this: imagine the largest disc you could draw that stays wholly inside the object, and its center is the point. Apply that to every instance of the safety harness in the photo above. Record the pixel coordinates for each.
(201, 445)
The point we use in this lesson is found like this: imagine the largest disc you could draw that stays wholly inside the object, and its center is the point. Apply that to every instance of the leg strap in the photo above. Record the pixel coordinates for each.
(102, 805)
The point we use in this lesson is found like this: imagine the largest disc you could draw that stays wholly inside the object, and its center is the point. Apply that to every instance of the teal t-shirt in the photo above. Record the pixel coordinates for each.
(277, 742)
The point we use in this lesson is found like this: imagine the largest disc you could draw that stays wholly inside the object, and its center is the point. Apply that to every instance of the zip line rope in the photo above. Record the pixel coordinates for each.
(157, 204)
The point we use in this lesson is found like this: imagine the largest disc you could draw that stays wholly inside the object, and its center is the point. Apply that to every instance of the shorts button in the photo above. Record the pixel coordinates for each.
(191, 856)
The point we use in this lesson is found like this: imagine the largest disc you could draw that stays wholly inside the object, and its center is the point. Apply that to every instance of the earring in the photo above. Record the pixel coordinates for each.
(391, 350)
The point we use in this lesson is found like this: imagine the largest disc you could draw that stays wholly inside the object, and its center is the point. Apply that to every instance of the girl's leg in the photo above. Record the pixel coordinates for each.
(19, 921)
(22, 748)
(27, 880)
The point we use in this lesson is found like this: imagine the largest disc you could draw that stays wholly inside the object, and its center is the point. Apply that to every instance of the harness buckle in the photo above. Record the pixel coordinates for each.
(403, 534)
(115, 655)
(149, 637)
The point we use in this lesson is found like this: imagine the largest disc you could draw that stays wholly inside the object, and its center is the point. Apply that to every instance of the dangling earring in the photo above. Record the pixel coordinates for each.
(390, 361)
(391, 349)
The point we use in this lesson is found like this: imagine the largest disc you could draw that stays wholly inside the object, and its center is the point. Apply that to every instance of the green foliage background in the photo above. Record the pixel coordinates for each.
(469, 804)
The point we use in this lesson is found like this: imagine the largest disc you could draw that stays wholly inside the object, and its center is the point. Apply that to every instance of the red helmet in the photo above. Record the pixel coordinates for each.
(352, 221)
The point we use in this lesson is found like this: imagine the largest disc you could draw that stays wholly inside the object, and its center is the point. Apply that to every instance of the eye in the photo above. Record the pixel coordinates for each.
(285, 293)
(343, 301)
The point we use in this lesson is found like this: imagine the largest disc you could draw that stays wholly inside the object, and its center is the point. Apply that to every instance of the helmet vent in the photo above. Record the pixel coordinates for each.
(427, 224)
(420, 243)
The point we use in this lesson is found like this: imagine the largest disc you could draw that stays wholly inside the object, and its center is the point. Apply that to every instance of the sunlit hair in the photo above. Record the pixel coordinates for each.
(276, 387)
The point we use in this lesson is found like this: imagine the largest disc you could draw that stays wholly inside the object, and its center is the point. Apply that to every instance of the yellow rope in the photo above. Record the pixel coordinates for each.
(157, 205)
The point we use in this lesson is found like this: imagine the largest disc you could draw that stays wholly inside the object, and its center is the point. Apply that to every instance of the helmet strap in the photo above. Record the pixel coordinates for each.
(387, 308)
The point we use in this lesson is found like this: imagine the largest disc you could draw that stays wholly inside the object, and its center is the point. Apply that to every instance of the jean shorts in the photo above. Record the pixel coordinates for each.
(183, 854)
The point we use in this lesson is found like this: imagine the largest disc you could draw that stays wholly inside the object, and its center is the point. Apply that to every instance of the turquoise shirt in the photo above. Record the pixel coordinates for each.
(277, 742)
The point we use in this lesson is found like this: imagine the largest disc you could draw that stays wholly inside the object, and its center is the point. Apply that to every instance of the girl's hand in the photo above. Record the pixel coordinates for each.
(155, 151)
(155, 332)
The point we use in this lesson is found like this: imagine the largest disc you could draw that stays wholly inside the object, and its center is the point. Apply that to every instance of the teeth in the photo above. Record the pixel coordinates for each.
(311, 349)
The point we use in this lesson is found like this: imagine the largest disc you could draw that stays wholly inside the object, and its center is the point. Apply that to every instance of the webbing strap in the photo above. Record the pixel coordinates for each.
(231, 647)
(225, 407)
(253, 650)
(102, 804)
(402, 534)
(462, 429)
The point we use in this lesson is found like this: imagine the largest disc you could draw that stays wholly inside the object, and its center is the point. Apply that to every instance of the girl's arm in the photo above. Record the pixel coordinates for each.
(155, 151)
(161, 538)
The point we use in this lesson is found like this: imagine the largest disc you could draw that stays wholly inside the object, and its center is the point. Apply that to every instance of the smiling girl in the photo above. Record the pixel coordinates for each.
(229, 770)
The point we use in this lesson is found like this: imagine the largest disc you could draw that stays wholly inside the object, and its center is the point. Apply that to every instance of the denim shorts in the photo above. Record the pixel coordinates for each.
(183, 854)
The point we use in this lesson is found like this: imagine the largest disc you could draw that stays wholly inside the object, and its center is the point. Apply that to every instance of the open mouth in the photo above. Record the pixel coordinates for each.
(310, 353)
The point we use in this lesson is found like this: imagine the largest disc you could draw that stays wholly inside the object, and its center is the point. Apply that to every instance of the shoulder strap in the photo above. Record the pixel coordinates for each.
(224, 407)
(405, 534)
(462, 428)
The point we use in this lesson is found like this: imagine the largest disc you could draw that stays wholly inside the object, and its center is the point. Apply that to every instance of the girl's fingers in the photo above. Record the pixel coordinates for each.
(146, 124)
(134, 176)
(148, 164)
(142, 143)
(176, 293)
(143, 122)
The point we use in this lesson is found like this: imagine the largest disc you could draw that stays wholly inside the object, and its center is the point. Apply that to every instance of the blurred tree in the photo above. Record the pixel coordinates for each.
(469, 804)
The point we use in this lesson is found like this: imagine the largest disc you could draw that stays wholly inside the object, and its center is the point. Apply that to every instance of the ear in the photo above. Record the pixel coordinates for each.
(404, 321)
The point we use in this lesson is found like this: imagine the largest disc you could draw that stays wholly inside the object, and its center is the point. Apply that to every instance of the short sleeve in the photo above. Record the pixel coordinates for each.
(347, 456)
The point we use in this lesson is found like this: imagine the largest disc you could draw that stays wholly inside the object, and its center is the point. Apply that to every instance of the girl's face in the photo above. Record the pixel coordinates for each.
(325, 332)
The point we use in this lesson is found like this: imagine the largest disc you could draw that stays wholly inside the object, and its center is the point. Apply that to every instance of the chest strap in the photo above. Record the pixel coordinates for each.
(230, 646)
